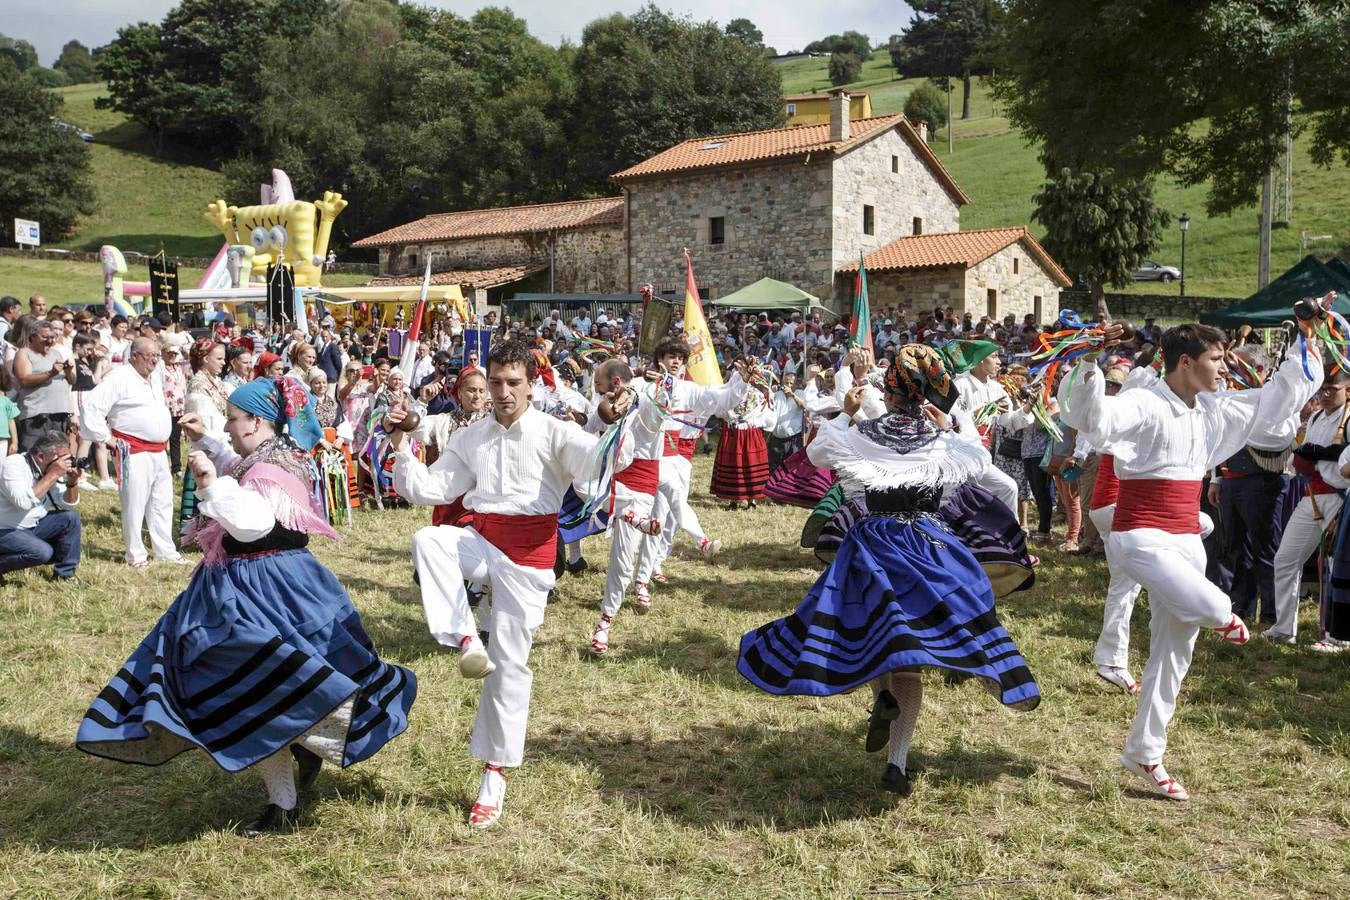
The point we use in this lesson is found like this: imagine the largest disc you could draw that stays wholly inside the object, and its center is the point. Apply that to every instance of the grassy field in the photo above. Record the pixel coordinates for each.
(659, 772)
(1000, 172)
(144, 202)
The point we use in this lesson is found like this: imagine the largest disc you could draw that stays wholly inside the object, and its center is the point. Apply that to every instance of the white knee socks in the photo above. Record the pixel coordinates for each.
(492, 791)
(908, 690)
(278, 774)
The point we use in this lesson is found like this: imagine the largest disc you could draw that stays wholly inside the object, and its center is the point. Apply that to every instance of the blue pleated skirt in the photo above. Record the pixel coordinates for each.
(249, 658)
(569, 527)
(897, 595)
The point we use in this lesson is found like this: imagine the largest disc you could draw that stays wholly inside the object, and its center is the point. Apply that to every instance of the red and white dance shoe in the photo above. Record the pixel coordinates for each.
(1163, 785)
(642, 597)
(660, 577)
(600, 636)
(709, 548)
(1121, 678)
(487, 809)
(1235, 632)
(473, 658)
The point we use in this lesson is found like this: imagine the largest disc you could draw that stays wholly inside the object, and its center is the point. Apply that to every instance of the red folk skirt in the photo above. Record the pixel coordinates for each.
(741, 468)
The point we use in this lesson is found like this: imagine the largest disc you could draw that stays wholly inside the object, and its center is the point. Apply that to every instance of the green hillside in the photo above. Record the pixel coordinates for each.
(1001, 173)
(143, 201)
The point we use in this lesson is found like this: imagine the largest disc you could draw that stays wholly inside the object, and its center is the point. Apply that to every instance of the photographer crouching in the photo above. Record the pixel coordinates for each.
(38, 521)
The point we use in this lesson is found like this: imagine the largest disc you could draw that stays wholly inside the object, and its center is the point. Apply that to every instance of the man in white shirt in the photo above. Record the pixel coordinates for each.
(1163, 438)
(988, 403)
(581, 323)
(39, 491)
(785, 438)
(511, 469)
(128, 409)
(1318, 461)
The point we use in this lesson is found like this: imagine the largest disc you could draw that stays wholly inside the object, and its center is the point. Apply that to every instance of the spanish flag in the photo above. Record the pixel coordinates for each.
(702, 366)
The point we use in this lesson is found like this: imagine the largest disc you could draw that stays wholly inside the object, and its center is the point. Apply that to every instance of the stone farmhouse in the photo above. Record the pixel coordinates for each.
(800, 204)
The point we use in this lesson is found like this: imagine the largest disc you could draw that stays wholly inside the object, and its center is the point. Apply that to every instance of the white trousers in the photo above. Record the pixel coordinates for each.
(445, 557)
(1113, 644)
(1182, 601)
(1302, 535)
(625, 542)
(1001, 485)
(146, 495)
(672, 499)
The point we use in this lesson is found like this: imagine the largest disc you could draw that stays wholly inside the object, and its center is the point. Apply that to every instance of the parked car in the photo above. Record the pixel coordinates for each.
(1151, 270)
(74, 129)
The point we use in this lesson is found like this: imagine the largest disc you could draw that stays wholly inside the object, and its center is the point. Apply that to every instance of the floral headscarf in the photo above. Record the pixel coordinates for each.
(282, 401)
(919, 375)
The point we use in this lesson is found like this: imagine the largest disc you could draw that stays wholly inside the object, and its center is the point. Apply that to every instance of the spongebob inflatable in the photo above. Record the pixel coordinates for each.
(281, 229)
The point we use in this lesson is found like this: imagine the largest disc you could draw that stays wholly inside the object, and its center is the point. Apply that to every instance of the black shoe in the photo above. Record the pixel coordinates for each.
(475, 596)
(309, 764)
(578, 567)
(274, 820)
(884, 711)
(484, 636)
(895, 781)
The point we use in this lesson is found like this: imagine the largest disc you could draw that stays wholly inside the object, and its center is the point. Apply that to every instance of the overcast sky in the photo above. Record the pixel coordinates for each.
(787, 24)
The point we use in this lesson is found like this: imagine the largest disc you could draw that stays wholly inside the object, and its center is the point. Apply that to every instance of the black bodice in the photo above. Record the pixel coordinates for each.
(904, 501)
(279, 538)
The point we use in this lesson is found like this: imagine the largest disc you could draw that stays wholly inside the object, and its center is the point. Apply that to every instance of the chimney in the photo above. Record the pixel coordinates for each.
(921, 126)
(839, 115)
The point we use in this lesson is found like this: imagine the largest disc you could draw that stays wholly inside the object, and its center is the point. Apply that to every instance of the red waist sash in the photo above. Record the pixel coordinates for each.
(1161, 503)
(641, 476)
(1106, 488)
(527, 540)
(1317, 486)
(140, 445)
(452, 513)
(686, 448)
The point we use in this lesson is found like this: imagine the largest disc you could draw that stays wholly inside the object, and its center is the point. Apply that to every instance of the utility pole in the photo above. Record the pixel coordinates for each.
(949, 116)
(1263, 243)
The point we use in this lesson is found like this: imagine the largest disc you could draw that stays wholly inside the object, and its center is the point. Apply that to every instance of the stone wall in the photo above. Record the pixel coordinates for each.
(777, 225)
(863, 176)
(585, 259)
(913, 289)
(1028, 290)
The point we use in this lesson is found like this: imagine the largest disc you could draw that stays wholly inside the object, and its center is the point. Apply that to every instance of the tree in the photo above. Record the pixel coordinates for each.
(44, 170)
(745, 30)
(1099, 226)
(845, 68)
(946, 37)
(194, 77)
(854, 42)
(76, 63)
(1213, 102)
(646, 81)
(19, 52)
(927, 103)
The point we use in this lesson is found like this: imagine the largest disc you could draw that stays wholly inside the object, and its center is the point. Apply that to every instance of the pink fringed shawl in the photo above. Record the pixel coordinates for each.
(291, 504)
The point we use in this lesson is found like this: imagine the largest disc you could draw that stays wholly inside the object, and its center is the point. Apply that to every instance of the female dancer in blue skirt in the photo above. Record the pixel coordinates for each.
(262, 658)
(902, 593)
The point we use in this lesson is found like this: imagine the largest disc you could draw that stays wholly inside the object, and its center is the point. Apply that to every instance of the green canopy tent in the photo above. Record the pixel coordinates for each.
(1274, 303)
(768, 294)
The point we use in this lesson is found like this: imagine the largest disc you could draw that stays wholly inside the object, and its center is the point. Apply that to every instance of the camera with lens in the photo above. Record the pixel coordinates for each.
(82, 462)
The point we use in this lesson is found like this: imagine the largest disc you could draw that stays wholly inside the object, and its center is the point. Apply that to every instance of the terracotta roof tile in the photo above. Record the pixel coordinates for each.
(502, 221)
(725, 150)
(471, 278)
(957, 248)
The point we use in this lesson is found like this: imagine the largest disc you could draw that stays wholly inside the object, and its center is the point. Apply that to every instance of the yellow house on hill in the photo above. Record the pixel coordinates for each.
(814, 109)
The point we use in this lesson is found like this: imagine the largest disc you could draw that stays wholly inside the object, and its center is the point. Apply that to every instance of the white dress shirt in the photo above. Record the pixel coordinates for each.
(19, 506)
(523, 470)
(125, 401)
(1152, 433)
(1325, 430)
(787, 416)
(873, 403)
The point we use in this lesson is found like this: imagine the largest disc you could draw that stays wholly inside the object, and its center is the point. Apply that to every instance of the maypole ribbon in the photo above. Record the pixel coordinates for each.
(599, 489)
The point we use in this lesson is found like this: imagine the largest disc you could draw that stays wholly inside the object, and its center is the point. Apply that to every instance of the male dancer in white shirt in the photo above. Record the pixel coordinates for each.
(690, 404)
(128, 410)
(1164, 437)
(511, 469)
(1324, 441)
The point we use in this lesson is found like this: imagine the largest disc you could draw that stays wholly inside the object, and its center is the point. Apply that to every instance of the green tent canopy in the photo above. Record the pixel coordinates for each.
(767, 294)
(1274, 303)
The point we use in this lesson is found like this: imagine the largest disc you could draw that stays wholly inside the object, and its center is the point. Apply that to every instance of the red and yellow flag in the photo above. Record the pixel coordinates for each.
(702, 366)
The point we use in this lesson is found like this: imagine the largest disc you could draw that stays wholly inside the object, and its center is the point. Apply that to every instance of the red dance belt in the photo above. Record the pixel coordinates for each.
(140, 445)
(641, 476)
(1161, 503)
(1106, 488)
(529, 541)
